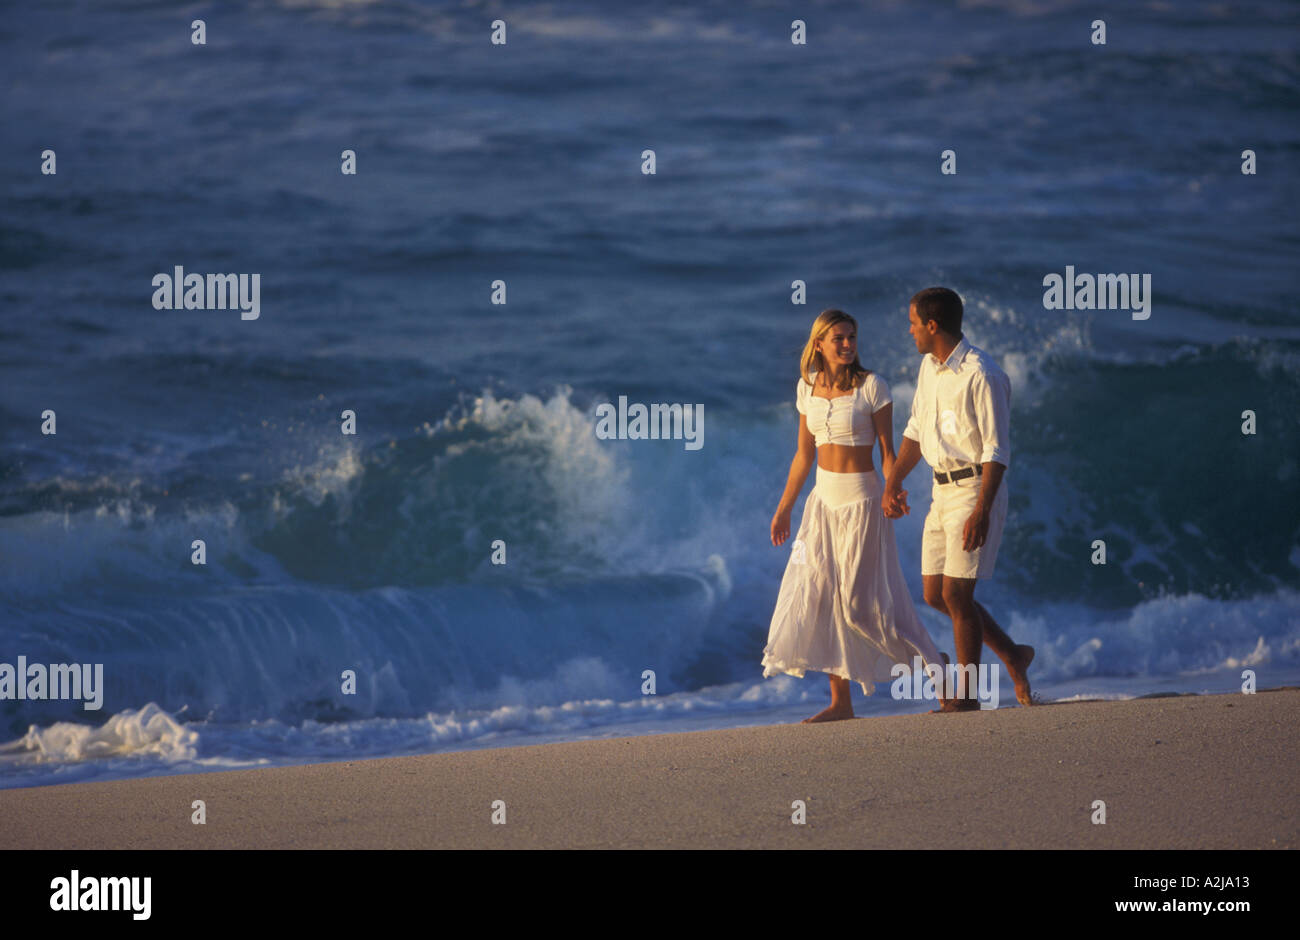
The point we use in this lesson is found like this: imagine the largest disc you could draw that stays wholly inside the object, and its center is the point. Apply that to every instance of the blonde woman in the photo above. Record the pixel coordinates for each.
(844, 607)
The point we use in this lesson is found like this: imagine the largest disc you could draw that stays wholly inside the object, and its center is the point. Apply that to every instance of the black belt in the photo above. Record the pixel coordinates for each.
(961, 474)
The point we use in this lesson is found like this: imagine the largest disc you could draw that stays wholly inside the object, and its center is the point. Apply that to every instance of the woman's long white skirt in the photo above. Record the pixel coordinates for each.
(844, 607)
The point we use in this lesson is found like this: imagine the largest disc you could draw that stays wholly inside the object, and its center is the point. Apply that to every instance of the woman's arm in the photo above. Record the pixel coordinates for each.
(804, 459)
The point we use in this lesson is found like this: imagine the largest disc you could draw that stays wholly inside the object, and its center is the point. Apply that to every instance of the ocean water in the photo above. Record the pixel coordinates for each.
(522, 162)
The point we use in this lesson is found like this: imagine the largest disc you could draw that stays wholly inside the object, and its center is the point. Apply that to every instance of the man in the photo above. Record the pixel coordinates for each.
(960, 424)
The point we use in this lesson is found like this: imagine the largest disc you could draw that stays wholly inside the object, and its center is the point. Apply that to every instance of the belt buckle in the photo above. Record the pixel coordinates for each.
(951, 477)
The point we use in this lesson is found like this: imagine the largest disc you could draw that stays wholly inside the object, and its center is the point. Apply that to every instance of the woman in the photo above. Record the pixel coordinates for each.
(844, 607)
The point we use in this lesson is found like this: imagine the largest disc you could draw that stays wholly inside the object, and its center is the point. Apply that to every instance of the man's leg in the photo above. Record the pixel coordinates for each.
(1015, 656)
(964, 568)
(967, 629)
(934, 552)
(932, 586)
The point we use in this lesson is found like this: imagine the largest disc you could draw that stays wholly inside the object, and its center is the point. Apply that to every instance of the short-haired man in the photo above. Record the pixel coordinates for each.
(960, 424)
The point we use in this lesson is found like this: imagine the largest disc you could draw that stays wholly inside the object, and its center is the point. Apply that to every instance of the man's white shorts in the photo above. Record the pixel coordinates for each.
(951, 504)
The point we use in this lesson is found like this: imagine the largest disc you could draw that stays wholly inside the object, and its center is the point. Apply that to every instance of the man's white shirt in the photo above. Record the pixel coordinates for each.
(961, 412)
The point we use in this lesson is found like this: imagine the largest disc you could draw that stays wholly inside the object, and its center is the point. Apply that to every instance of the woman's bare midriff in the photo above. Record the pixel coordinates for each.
(845, 458)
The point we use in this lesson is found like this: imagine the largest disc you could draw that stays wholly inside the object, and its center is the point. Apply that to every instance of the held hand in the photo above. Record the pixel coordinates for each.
(976, 531)
(894, 503)
(780, 526)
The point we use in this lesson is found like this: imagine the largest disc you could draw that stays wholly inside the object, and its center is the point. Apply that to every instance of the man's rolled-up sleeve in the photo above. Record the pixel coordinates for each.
(992, 401)
(913, 429)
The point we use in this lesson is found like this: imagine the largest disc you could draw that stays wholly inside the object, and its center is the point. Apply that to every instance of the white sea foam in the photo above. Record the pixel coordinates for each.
(147, 731)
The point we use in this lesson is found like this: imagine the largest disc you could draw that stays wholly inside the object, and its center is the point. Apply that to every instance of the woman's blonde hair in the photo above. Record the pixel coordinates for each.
(812, 356)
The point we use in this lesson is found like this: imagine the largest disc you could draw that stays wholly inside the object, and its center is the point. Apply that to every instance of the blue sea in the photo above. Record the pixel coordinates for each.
(522, 163)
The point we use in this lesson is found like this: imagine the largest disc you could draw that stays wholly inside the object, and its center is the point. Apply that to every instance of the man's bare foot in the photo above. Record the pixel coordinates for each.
(834, 713)
(1018, 669)
(947, 705)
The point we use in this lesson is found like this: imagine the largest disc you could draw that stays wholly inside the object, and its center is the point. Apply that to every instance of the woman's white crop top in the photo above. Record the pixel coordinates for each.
(843, 420)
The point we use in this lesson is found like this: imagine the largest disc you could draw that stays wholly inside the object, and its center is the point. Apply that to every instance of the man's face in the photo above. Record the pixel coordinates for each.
(921, 334)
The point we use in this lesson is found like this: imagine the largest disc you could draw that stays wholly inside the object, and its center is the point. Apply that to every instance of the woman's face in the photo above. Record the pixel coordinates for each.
(839, 346)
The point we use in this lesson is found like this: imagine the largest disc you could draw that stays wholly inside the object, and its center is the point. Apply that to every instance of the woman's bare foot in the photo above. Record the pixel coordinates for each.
(833, 713)
(1018, 668)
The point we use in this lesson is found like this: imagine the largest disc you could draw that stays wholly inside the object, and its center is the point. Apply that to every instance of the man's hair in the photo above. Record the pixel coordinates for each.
(941, 304)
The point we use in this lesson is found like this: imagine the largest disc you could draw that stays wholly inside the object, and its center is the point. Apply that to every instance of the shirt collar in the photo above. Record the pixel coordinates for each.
(953, 362)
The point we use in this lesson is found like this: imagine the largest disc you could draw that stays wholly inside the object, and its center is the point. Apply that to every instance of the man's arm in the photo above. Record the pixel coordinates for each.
(909, 455)
(977, 526)
(992, 400)
(894, 499)
(992, 477)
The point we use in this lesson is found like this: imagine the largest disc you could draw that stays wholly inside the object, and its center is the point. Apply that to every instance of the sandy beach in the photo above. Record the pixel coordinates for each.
(1194, 772)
